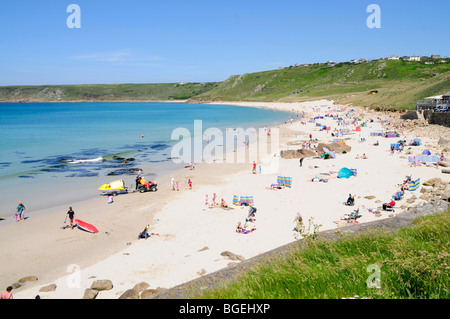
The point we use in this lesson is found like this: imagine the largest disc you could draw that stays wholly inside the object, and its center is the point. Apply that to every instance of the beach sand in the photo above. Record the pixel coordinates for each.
(192, 236)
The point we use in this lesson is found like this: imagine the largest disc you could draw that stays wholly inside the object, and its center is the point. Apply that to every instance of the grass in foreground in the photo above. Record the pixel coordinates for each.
(412, 263)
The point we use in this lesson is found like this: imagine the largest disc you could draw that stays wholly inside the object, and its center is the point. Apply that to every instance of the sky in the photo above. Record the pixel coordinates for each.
(147, 41)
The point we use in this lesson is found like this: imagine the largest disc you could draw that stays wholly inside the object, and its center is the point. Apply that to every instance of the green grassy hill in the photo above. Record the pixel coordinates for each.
(399, 83)
(105, 92)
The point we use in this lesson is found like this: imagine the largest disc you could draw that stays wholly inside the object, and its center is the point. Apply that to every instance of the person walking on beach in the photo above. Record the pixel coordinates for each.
(6, 294)
(301, 161)
(172, 183)
(20, 211)
(71, 215)
(254, 167)
(189, 184)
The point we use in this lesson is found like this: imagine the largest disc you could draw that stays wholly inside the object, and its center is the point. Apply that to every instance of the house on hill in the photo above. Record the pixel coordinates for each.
(433, 102)
(411, 58)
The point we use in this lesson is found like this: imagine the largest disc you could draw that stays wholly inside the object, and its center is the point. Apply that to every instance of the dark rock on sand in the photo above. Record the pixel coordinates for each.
(48, 288)
(28, 278)
(90, 294)
(130, 294)
(102, 285)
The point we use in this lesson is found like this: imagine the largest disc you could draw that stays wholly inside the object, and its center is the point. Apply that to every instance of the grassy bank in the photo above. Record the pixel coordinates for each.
(105, 92)
(399, 84)
(412, 262)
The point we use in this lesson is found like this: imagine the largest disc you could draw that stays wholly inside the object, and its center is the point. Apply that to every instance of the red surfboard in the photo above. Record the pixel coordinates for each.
(85, 226)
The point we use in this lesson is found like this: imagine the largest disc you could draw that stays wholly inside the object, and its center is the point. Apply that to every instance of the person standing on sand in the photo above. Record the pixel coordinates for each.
(20, 211)
(254, 167)
(71, 215)
(172, 183)
(301, 161)
(189, 184)
(138, 181)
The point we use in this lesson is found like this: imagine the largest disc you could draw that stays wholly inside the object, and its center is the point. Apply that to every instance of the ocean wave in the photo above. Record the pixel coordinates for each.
(80, 161)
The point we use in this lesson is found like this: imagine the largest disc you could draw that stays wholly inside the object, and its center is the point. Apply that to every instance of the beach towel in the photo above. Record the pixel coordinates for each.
(414, 185)
(424, 159)
(284, 181)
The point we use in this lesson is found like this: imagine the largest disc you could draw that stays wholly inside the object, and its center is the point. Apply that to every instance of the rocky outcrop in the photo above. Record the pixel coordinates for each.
(300, 153)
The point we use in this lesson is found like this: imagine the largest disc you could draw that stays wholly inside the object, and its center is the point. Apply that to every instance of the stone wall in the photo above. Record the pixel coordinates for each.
(439, 118)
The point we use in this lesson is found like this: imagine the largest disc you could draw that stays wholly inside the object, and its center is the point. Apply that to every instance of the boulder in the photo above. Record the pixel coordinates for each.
(90, 294)
(435, 182)
(48, 288)
(148, 292)
(130, 294)
(232, 256)
(141, 286)
(102, 285)
(299, 153)
(28, 278)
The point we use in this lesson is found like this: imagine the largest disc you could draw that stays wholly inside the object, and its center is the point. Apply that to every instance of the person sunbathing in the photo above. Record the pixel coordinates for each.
(389, 206)
(223, 203)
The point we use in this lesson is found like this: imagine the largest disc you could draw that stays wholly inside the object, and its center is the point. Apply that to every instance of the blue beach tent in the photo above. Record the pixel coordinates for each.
(345, 173)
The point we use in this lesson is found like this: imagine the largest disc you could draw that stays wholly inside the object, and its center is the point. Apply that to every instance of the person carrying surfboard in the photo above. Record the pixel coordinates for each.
(71, 215)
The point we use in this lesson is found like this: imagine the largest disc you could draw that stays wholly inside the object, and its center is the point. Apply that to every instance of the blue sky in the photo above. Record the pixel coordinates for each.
(145, 41)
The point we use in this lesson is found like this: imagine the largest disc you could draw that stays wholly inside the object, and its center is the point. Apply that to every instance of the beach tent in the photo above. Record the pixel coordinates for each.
(358, 129)
(345, 173)
(284, 181)
(414, 185)
(416, 142)
(426, 152)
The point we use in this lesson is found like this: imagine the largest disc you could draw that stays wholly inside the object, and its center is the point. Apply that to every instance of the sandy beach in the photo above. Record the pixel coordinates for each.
(189, 237)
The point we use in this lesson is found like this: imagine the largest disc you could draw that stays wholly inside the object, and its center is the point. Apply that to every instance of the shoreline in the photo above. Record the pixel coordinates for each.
(181, 218)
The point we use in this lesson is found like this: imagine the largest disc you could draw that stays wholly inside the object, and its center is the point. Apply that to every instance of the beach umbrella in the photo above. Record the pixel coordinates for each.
(329, 152)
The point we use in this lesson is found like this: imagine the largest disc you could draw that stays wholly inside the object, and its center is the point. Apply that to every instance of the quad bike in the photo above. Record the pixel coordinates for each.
(148, 187)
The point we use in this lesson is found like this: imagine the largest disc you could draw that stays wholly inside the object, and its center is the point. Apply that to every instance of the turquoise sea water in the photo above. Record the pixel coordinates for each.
(57, 153)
